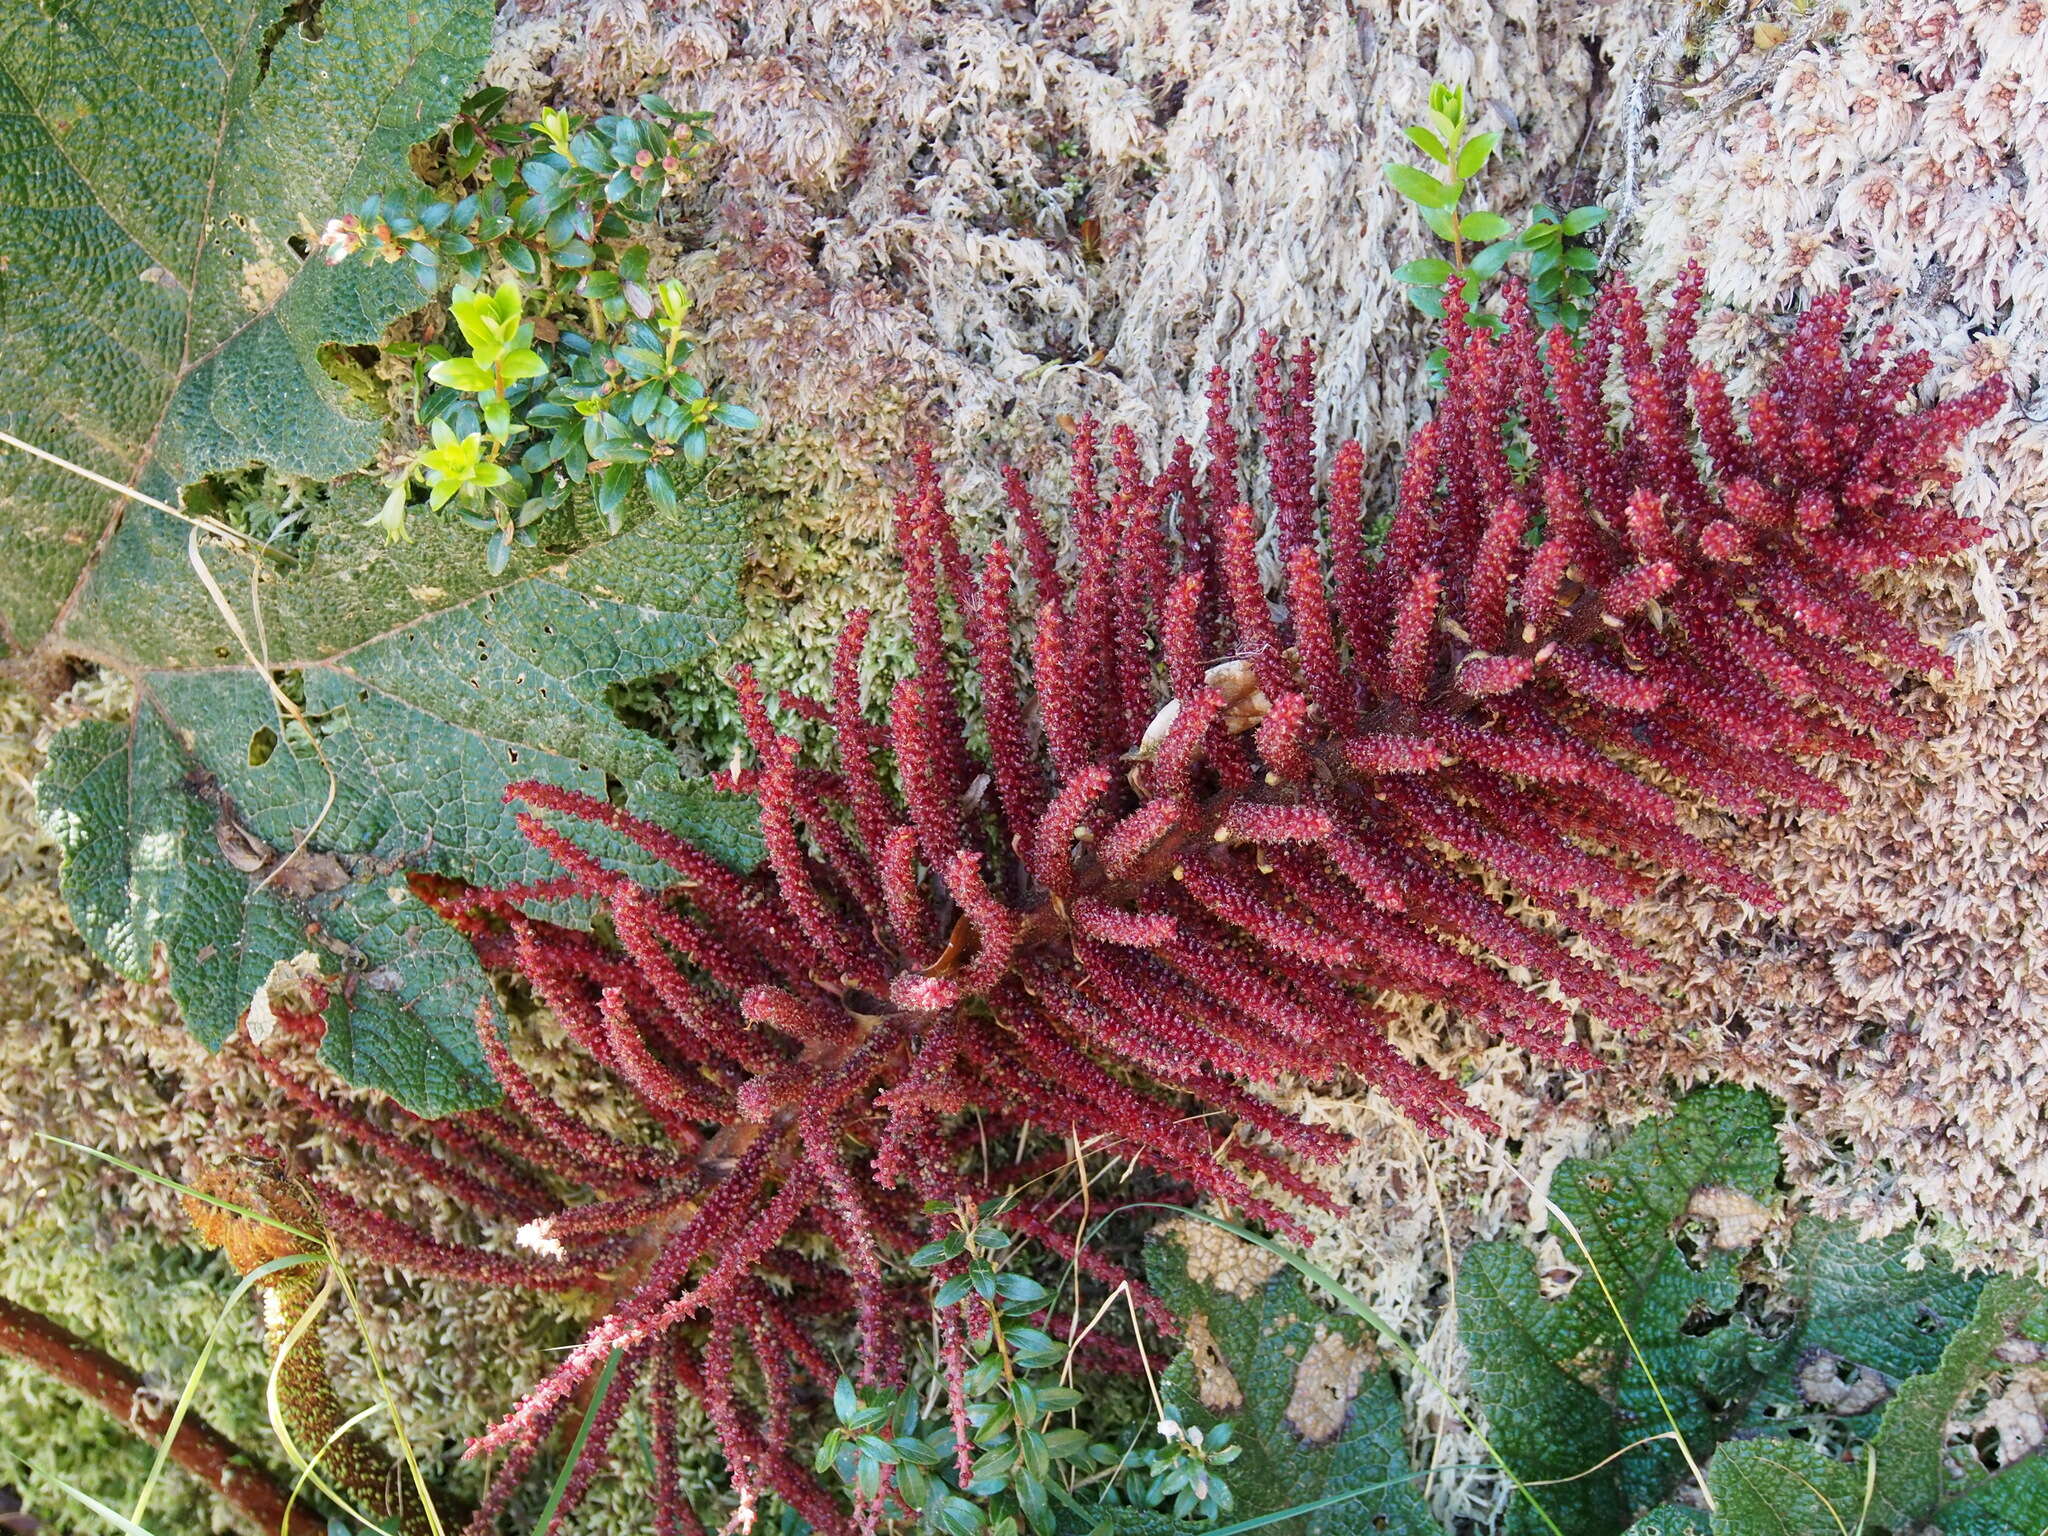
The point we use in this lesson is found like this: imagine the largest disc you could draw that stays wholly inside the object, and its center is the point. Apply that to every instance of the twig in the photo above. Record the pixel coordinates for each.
(199, 1448)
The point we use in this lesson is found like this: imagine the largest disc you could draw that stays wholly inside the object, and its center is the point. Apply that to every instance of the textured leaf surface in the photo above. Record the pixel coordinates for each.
(164, 166)
(1557, 1381)
(1913, 1476)
(2013, 1502)
(1782, 1488)
(1858, 1343)
(1862, 1306)
(1546, 1418)
(1301, 1386)
(1863, 1302)
(1672, 1520)
(425, 707)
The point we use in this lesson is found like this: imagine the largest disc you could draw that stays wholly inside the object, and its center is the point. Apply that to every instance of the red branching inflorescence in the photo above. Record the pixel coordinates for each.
(1202, 847)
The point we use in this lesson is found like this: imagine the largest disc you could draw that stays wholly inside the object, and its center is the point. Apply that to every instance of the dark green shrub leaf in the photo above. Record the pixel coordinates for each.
(1430, 271)
(1483, 225)
(1488, 263)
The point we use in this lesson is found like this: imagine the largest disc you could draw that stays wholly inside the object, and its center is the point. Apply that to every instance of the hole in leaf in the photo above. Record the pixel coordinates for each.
(1702, 1320)
(262, 742)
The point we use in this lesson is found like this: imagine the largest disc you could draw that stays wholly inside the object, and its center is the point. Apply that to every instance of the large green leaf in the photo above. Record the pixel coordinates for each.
(1559, 1381)
(1672, 1520)
(1862, 1301)
(1845, 1342)
(1782, 1487)
(164, 167)
(1914, 1476)
(426, 702)
(1301, 1385)
(167, 165)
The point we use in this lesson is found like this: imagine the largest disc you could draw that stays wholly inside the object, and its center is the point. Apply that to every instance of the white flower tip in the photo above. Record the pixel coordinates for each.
(536, 1234)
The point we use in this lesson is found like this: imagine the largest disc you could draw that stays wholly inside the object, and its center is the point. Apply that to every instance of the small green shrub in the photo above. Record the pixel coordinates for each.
(1019, 1470)
(1560, 262)
(576, 372)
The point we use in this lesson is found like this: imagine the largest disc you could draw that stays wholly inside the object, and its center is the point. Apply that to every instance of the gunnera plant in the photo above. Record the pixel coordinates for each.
(1206, 841)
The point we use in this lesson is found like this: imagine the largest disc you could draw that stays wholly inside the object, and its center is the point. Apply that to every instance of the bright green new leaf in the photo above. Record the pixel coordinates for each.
(521, 363)
(1428, 143)
(1579, 220)
(462, 373)
(452, 456)
(164, 166)
(1483, 225)
(1474, 154)
(488, 321)
(1420, 187)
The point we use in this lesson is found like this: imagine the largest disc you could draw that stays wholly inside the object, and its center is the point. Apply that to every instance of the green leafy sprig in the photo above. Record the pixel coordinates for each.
(551, 200)
(1024, 1471)
(1560, 263)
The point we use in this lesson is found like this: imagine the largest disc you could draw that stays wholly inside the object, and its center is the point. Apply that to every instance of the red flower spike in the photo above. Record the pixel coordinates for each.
(1390, 752)
(1020, 784)
(1727, 542)
(1638, 587)
(1315, 639)
(1493, 571)
(1350, 562)
(1096, 919)
(1284, 738)
(1541, 596)
(1175, 892)
(1411, 648)
(1590, 677)
(1482, 677)
(1123, 848)
(1257, 635)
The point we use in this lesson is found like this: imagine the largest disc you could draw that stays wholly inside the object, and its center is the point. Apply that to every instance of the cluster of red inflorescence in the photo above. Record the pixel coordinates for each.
(1202, 849)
